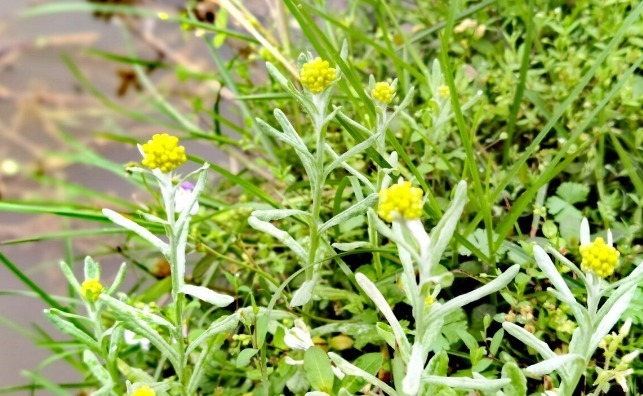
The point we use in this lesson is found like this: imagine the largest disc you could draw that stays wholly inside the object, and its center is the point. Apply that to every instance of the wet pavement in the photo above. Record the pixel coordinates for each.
(39, 99)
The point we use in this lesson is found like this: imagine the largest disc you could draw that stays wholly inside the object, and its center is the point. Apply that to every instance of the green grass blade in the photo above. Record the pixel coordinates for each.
(43, 295)
(522, 79)
(465, 137)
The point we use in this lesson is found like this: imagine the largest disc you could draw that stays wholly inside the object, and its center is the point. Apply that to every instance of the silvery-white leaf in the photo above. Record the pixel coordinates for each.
(380, 302)
(466, 383)
(431, 332)
(137, 229)
(247, 314)
(280, 235)
(421, 237)
(151, 218)
(501, 281)
(442, 233)
(71, 278)
(120, 277)
(92, 269)
(276, 74)
(70, 329)
(316, 393)
(343, 52)
(584, 232)
(415, 367)
(405, 102)
(303, 294)
(351, 170)
(353, 370)
(552, 364)
(548, 267)
(96, 368)
(122, 309)
(178, 268)
(300, 148)
(342, 391)
(368, 142)
(347, 247)
(611, 317)
(529, 339)
(278, 214)
(384, 331)
(289, 130)
(566, 262)
(223, 324)
(355, 210)
(115, 338)
(207, 295)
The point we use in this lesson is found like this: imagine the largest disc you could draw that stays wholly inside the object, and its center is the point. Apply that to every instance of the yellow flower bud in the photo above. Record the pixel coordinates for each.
(144, 391)
(163, 152)
(383, 92)
(317, 75)
(91, 289)
(400, 200)
(599, 258)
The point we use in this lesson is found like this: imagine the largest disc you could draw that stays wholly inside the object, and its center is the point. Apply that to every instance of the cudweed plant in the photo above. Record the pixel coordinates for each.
(419, 252)
(594, 320)
(162, 155)
(318, 78)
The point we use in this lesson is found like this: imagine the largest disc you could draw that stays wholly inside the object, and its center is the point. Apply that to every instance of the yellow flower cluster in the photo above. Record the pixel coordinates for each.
(400, 200)
(317, 75)
(91, 289)
(599, 258)
(144, 391)
(383, 92)
(163, 152)
(443, 90)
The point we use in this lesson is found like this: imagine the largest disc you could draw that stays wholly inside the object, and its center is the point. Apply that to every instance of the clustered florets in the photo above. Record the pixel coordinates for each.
(91, 289)
(383, 92)
(317, 75)
(400, 200)
(599, 258)
(144, 391)
(163, 152)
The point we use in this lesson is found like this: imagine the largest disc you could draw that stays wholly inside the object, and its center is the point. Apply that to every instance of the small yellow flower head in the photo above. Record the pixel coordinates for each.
(599, 258)
(163, 152)
(317, 75)
(443, 90)
(429, 300)
(91, 289)
(383, 92)
(144, 391)
(400, 200)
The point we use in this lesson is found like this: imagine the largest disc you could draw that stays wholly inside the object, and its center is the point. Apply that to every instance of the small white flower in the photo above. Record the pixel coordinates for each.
(133, 339)
(338, 373)
(298, 337)
(294, 362)
(183, 197)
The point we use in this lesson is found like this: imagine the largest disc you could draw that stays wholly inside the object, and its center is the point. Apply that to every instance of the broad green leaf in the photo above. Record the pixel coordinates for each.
(371, 363)
(518, 385)
(573, 192)
(318, 369)
(243, 358)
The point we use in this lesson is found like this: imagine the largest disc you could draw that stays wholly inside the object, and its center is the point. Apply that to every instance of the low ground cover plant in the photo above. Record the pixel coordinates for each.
(413, 216)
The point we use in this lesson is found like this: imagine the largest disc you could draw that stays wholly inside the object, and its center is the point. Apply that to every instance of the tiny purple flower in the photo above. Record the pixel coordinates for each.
(183, 198)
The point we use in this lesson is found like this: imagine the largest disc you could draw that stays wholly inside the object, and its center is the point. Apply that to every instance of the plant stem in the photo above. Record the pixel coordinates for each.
(174, 235)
